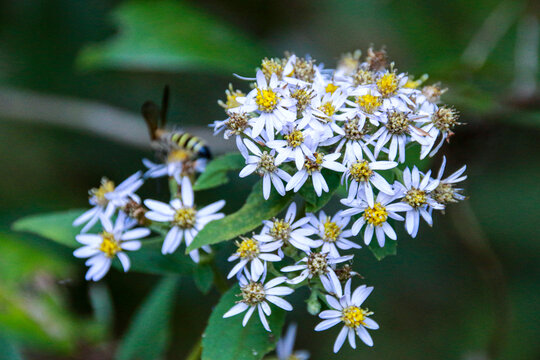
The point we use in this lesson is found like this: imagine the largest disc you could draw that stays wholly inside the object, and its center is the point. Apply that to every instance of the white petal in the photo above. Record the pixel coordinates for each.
(236, 309)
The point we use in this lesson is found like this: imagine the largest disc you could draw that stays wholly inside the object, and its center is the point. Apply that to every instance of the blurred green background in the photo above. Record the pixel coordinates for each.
(73, 75)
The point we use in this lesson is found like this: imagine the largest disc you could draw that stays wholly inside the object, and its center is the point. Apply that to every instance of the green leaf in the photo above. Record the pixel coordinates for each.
(148, 335)
(227, 339)
(390, 248)
(57, 227)
(216, 171)
(204, 277)
(314, 202)
(171, 36)
(248, 217)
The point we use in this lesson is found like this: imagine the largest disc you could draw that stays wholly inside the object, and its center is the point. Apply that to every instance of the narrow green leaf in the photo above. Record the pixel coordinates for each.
(148, 336)
(248, 217)
(57, 227)
(216, 171)
(314, 202)
(204, 277)
(171, 36)
(227, 339)
(390, 248)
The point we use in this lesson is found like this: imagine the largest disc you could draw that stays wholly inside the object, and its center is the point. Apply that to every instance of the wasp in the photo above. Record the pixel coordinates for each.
(175, 145)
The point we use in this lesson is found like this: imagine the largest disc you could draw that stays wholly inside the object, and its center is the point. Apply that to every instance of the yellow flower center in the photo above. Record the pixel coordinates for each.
(314, 165)
(272, 66)
(317, 264)
(295, 138)
(360, 171)
(266, 100)
(98, 194)
(398, 123)
(331, 231)
(330, 88)
(109, 246)
(415, 197)
(328, 109)
(253, 293)
(280, 230)
(376, 215)
(387, 84)
(185, 218)
(369, 103)
(353, 316)
(248, 248)
(231, 101)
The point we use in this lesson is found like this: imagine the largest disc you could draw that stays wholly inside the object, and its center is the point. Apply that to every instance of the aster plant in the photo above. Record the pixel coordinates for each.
(348, 139)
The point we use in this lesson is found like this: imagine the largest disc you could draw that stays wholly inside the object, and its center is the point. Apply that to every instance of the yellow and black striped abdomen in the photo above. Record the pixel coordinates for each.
(191, 143)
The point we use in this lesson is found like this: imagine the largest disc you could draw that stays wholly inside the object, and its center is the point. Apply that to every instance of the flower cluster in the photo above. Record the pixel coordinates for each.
(301, 125)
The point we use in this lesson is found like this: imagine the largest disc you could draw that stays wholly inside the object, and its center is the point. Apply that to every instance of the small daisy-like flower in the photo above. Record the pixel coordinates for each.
(398, 128)
(271, 105)
(362, 175)
(347, 309)
(312, 167)
(320, 265)
(112, 242)
(250, 250)
(445, 192)
(296, 145)
(355, 132)
(285, 346)
(256, 295)
(107, 198)
(331, 232)
(441, 123)
(235, 125)
(375, 214)
(287, 231)
(415, 193)
(264, 164)
(185, 219)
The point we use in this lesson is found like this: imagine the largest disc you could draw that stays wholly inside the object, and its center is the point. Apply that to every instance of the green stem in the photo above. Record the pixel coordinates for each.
(196, 351)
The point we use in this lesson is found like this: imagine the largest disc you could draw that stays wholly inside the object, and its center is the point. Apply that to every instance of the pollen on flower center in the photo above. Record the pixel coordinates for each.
(313, 165)
(330, 88)
(353, 316)
(360, 171)
(352, 130)
(328, 109)
(281, 230)
(266, 164)
(98, 194)
(295, 138)
(237, 122)
(266, 100)
(369, 103)
(387, 84)
(317, 264)
(231, 101)
(445, 118)
(272, 66)
(398, 123)
(109, 245)
(415, 197)
(444, 194)
(248, 248)
(253, 293)
(185, 218)
(331, 231)
(376, 215)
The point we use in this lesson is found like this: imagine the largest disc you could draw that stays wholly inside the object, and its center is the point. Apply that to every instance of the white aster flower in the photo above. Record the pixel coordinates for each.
(254, 252)
(347, 309)
(264, 164)
(415, 193)
(313, 167)
(270, 103)
(439, 123)
(287, 231)
(316, 264)
(185, 219)
(285, 346)
(235, 125)
(296, 146)
(375, 214)
(331, 232)
(112, 241)
(256, 295)
(107, 198)
(362, 175)
(445, 192)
